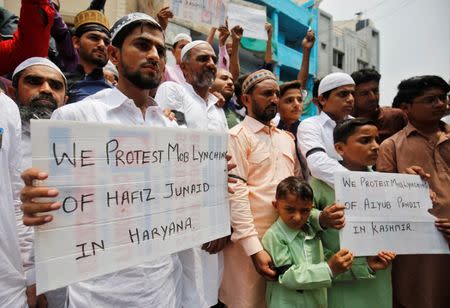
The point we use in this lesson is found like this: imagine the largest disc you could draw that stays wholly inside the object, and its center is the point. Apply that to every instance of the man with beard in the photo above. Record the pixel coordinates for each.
(223, 88)
(202, 266)
(39, 87)
(192, 98)
(367, 96)
(91, 40)
(137, 50)
(264, 156)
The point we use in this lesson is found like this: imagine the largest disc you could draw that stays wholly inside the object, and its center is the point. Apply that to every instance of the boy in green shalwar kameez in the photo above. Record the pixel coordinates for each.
(368, 282)
(297, 253)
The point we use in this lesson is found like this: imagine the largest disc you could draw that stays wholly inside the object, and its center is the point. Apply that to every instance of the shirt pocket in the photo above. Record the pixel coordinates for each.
(260, 167)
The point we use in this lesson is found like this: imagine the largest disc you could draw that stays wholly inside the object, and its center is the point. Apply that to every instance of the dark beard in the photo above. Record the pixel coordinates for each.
(265, 115)
(142, 81)
(37, 110)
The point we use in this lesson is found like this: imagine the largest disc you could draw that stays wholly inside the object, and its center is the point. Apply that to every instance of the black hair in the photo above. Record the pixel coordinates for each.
(347, 128)
(414, 87)
(295, 84)
(295, 186)
(238, 88)
(15, 80)
(365, 75)
(315, 89)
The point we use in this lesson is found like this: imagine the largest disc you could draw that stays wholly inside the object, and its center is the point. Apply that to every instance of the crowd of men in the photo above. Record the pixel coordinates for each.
(97, 73)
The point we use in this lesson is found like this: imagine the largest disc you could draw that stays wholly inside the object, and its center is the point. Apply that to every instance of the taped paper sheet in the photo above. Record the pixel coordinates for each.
(387, 211)
(130, 194)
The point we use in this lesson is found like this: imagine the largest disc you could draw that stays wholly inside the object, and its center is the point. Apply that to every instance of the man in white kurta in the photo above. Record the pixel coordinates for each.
(16, 240)
(137, 50)
(202, 272)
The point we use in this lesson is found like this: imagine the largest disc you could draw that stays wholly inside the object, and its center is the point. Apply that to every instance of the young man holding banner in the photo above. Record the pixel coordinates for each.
(422, 280)
(138, 51)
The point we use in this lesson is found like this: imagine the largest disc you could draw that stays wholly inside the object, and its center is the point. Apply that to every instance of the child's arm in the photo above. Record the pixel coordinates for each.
(359, 270)
(297, 277)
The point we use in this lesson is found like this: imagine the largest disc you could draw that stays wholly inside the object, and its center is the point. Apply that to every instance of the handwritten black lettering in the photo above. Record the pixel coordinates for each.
(64, 155)
(83, 157)
(407, 204)
(129, 197)
(160, 232)
(390, 227)
(192, 189)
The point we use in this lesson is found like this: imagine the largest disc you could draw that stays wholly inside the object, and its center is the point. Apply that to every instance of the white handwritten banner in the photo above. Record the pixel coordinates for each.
(129, 194)
(210, 12)
(387, 211)
(251, 19)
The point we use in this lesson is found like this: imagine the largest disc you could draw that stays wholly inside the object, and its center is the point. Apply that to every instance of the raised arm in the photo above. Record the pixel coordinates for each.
(31, 39)
(236, 36)
(307, 45)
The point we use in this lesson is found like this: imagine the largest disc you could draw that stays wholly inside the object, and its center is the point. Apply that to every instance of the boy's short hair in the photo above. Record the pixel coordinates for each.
(295, 186)
(346, 128)
(295, 84)
(414, 87)
(365, 75)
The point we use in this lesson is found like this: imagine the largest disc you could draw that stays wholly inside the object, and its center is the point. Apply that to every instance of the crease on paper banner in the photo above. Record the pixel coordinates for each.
(130, 194)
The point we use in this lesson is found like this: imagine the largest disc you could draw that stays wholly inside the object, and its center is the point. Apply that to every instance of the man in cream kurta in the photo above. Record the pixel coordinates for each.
(264, 156)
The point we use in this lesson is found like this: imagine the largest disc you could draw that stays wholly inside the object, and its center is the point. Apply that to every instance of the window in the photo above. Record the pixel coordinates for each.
(338, 58)
(361, 64)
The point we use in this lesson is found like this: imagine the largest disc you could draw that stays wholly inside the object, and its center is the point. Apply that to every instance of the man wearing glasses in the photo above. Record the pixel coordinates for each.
(422, 280)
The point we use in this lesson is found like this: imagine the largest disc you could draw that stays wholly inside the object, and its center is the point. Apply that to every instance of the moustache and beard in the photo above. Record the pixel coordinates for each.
(141, 80)
(204, 79)
(266, 114)
(41, 107)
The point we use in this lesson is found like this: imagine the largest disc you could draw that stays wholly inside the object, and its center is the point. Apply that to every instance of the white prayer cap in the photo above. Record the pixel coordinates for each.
(190, 46)
(128, 19)
(182, 36)
(111, 68)
(37, 61)
(333, 81)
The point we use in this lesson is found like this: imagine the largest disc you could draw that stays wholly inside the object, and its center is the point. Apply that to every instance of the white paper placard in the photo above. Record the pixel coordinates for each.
(210, 13)
(130, 194)
(387, 211)
(252, 20)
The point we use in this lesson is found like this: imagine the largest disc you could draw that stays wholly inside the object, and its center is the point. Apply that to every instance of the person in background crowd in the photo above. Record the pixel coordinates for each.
(31, 37)
(367, 96)
(223, 88)
(111, 74)
(290, 108)
(228, 58)
(174, 72)
(424, 142)
(137, 50)
(91, 40)
(39, 87)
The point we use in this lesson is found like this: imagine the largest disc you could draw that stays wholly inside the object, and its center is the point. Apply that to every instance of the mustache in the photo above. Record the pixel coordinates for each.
(36, 101)
(151, 63)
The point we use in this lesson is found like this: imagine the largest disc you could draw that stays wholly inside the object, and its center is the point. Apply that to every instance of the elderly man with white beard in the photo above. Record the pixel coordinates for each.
(196, 107)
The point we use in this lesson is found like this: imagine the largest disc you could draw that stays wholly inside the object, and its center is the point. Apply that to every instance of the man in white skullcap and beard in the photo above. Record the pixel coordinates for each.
(202, 266)
(39, 87)
(174, 72)
(315, 134)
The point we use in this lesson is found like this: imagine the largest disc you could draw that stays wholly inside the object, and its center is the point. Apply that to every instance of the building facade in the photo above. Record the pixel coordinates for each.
(346, 46)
